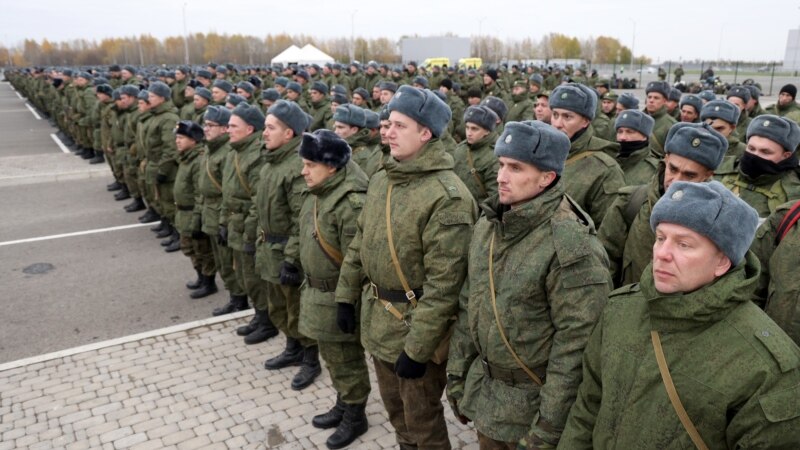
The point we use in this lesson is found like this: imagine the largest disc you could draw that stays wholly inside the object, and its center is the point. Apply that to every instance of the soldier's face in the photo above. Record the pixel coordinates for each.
(180, 76)
(315, 173)
(242, 92)
(344, 130)
(568, 122)
(542, 109)
(518, 181)
(518, 90)
(608, 105)
(275, 133)
(316, 96)
(722, 127)
(688, 113)
(767, 149)
(406, 136)
(183, 143)
(238, 129)
(655, 101)
(784, 99)
(125, 75)
(199, 102)
(376, 93)
(681, 168)
(358, 100)
(620, 107)
(155, 100)
(213, 130)
(386, 95)
(684, 260)
(142, 106)
(671, 105)
(218, 95)
(625, 134)
(738, 102)
(292, 95)
(474, 132)
(385, 124)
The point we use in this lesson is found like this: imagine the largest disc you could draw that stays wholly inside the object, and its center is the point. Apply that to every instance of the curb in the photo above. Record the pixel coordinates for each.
(18, 180)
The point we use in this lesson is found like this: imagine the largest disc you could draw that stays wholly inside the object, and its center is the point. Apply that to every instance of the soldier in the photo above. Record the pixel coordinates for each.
(406, 317)
(187, 110)
(627, 100)
(179, 87)
(740, 96)
(694, 151)
(153, 212)
(707, 96)
(320, 106)
(690, 107)
(204, 77)
(475, 162)
(514, 362)
(673, 101)
(268, 98)
(129, 95)
(360, 97)
(754, 108)
(350, 123)
(542, 109)
(294, 93)
(678, 73)
(608, 104)
(234, 99)
(786, 105)
(684, 359)
(635, 156)
(535, 86)
(766, 176)
(492, 87)
(327, 221)
(247, 90)
(722, 116)
(591, 175)
(388, 89)
(237, 228)
(202, 98)
(522, 106)
(124, 111)
(82, 106)
(656, 106)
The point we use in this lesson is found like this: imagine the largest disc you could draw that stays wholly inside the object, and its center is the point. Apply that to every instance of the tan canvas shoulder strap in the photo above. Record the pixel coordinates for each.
(242, 181)
(578, 157)
(412, 298)
(210, 175)
(474, 172)
(330, 251)
(514, 355)
(673, 393)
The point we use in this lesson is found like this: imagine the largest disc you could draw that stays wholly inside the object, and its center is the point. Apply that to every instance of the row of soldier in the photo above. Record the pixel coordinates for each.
(346, 247)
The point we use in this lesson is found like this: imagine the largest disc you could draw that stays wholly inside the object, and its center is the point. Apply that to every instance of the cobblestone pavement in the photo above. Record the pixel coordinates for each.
(184, 387)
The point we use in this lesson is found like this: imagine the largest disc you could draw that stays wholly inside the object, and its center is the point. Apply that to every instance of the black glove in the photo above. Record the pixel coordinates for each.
(222, 238)
(406, 367)
(290, 275)
(199, 235)
(161, 178)
(346, 317)
(249, 248)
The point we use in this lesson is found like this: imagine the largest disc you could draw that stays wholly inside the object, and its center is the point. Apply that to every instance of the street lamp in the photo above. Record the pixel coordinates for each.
(633, 43)
(185, 38)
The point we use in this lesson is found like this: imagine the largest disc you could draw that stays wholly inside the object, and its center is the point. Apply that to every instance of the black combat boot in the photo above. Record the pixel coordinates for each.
(162, 224)
(332, 418)
(175, 244)
(251, 326)
(292, 355)
(81, 150)
(98, 158)
(88, 153)
(208, 287)
(115, 186)
(196, 284)
(309, 368)
(354, 424)
(165, 231)
(263, 331)
(136, 205)
(123, 194)
(236, 303)
(149, 216)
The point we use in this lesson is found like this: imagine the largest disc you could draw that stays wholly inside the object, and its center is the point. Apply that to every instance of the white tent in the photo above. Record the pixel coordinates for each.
(306, 55)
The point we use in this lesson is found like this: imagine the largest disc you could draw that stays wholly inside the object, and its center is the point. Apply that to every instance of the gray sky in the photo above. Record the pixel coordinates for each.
(675, 29)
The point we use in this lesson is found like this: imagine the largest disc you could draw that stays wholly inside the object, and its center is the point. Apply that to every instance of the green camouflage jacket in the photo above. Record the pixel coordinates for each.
(159, 141)
(212, 163)
(186, 193)
(239, 181)
(477, 166)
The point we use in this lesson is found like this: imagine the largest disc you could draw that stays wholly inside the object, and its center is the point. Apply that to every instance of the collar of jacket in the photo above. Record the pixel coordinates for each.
(324, 103)
(280, 153)
(431, 158)
(190, 154)
(145, 115)
(244, 143)
(167, 106)
(582, 143)
(705, 306)
(487, 141)
(354, 179)
(359, 138)
(660, 112)
(521, 220)
(217, 143)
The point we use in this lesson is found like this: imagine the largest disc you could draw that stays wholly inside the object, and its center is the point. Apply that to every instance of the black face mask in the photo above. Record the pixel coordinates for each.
(754, 166)
(626, 148)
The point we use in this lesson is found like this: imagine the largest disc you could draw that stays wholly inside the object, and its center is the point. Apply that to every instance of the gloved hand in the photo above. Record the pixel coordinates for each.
(535, 438)
(533, 442)
(290, 275)
(197, 234)
(222, 238)
(161, 178)
(455, 392)
(346, 317)
(406, 367)
(249, 248)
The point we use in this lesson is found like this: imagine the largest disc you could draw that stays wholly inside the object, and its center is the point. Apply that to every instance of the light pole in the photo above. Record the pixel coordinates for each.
(633, 43)
(185, 37)
(352, 35)
(480, 33)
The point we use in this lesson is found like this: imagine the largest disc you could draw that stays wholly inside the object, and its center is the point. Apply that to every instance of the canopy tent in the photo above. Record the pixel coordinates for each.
(306, 55)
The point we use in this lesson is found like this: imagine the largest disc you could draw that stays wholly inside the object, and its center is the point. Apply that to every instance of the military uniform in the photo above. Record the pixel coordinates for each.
(764, 193)
(551, 282)
(432, 213)
(734, 370)
(638, 167)
(189, 206)
(320, 113)
(161, 156)
(521, 109)
(476, 165)
(663, 123)
(362, 150)
(790, 111)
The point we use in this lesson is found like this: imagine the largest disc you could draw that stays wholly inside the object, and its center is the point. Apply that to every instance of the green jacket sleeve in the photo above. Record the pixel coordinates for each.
(296, 195)
(168, 163)
(348, 290)
(613, 233)
(251, 218)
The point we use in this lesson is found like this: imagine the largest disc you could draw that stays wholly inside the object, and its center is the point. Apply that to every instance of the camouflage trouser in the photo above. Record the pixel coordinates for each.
(166, 199)
(487, 443)
(244, 267)
(116, 161)
(148, 189)
(131, 171)
(199, 251)
(223, 260)
(284, 310)
(415, 406)
(348, 368)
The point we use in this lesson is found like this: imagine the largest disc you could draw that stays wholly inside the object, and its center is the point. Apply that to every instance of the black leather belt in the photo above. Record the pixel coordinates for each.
(324, 285)
(512, 376)
(275, 239)
(396, 296)
(184, 207)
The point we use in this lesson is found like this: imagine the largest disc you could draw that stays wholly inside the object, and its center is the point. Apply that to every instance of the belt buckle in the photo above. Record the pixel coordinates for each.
(486, 369)
(411, 296)
(374, 290)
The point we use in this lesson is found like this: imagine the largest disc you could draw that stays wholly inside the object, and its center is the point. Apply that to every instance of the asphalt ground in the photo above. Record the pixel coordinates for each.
(67, 291)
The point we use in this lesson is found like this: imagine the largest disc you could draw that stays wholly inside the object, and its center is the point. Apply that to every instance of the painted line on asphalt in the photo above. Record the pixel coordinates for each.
(59, 143)
(77, 233)
(33, 111)
(19, 95)
(125, 339)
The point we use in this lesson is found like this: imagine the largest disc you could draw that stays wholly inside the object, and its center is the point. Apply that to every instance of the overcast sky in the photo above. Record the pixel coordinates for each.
(674, 29)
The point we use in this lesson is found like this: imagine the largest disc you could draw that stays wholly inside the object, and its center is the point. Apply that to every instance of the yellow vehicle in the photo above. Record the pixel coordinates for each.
(441, 62)
(470, 63)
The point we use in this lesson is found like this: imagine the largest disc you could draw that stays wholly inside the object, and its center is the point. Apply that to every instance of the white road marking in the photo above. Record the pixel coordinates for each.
(59, 143)
(33, 111)
(77, 233)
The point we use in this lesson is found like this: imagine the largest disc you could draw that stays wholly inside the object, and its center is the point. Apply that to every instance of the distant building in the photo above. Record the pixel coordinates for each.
(791, 60)
(418, 49)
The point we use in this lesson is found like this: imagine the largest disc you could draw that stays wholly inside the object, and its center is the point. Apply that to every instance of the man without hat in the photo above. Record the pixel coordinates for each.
(591, 175)
(407, 315)
(740, 96)
(237, 219)
(635, 156)
(279, 195)
(722, 115)
(350, 124)
(656, 107)
(327, 223)
(786, 105)
(542, 111)
(766, 176)
(515, 360)
(685, 358)
(475, 162)
(693, 153)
